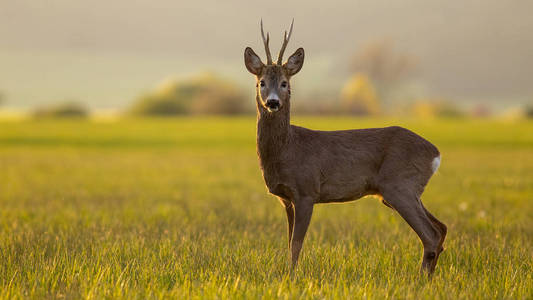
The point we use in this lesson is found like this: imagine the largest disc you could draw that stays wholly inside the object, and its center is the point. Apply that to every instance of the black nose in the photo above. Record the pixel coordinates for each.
(272, 103)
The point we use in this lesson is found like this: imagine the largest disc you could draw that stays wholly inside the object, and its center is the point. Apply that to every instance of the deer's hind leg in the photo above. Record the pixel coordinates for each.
(438, 224)
(408, 205)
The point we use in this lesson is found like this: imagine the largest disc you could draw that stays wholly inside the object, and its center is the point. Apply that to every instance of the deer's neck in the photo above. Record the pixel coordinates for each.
(273, 133)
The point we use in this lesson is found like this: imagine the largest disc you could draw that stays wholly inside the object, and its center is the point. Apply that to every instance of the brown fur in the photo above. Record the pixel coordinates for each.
(304, 167)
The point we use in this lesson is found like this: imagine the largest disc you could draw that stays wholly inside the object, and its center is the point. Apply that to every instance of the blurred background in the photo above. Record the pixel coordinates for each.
(407, 58)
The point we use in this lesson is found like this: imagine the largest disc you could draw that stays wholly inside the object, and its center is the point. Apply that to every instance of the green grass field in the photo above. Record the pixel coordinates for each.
(176, 208)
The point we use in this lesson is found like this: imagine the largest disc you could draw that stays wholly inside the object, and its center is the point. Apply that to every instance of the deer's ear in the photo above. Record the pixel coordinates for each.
(252, 61)
(295, 62)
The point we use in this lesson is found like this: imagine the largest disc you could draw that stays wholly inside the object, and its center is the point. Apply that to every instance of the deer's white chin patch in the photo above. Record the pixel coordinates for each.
(272, 109)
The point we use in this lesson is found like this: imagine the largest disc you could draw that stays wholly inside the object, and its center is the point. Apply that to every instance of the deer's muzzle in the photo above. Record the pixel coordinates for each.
(272, 104)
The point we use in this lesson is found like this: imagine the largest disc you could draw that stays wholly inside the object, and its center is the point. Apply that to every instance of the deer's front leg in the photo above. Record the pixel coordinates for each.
(302, 216)
(289, 209)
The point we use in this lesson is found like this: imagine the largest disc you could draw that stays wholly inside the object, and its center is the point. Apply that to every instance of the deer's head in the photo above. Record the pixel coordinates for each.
(273, 79)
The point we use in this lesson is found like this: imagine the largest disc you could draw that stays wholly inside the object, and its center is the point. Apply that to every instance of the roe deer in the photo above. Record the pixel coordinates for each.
(304, 167)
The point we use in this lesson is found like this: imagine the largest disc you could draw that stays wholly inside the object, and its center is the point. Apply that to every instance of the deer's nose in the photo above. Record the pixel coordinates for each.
(272, 103)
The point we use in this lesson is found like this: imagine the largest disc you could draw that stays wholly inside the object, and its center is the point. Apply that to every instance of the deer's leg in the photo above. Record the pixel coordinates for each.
(439, 225)
(412, 211)
(302, 216)
(289, 209)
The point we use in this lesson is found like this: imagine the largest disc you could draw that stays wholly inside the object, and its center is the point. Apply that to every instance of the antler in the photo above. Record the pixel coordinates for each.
(265, 41)
(285, 42)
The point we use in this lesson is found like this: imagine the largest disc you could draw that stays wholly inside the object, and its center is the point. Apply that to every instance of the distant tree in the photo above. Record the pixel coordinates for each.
(429, 108)
(423, 109)
(382, 63)
(529, 111)
(358, 96)
(385, 67)
(480, 111)
(158, 104)
(205, 94)
(68, 109)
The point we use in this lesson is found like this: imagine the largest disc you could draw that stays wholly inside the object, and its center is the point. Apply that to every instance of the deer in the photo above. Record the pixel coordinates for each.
(303, 167)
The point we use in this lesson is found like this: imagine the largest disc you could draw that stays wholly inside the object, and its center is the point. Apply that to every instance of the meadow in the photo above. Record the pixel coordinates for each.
(177, 208)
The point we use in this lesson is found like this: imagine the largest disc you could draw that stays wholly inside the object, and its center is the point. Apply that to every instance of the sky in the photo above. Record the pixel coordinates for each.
(107, 53)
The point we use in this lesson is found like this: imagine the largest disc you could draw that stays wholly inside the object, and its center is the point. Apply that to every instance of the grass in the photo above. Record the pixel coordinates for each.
(176, 208)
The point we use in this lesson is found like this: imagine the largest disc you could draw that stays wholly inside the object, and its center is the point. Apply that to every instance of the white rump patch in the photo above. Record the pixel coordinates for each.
(435, 164)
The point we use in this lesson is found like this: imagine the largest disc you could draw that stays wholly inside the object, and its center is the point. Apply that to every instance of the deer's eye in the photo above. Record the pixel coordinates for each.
(284, 84)
(262, 83)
